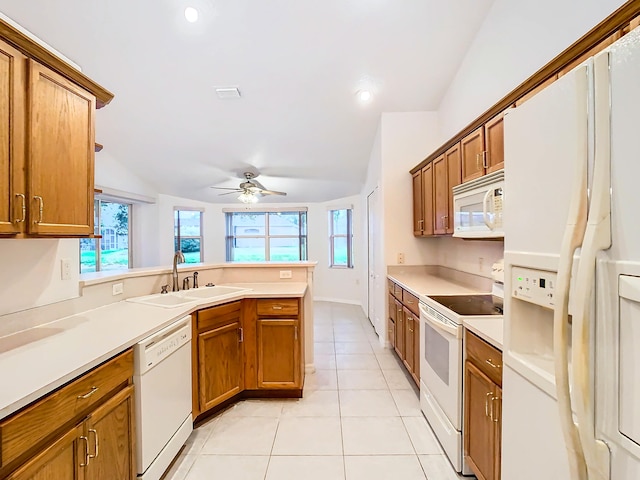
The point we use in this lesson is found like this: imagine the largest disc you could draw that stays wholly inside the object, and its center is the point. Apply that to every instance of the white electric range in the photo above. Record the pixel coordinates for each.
(441, 363)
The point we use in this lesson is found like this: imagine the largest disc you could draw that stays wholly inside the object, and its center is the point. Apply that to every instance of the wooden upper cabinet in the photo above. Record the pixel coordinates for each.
(427, 199)
(60, 149)
(494, 141)
(472, 148)
(454, 177)
(12, 191)
(440, 196)
(418, 213)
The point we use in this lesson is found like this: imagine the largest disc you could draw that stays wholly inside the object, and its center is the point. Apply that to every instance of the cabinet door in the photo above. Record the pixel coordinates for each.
(454, 177)
(494, 138)
(60, 146)
(440, 195)
(427, 199)
(279, 362)
(416, 350)
(409, 321)
(110, 433)
(65, 459)
(418, 214)
(392, 308)
(497, 419)
(399, 344)
(12, 106)
(220, 367)
(479, 436)
(392, 333)
(472, 148)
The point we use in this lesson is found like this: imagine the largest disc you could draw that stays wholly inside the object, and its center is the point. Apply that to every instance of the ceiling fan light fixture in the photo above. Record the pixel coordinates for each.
(191, 14)
(248, 197)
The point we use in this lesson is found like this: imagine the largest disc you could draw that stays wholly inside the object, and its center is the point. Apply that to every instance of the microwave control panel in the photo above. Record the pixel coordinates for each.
(497, 207)
(534, 286)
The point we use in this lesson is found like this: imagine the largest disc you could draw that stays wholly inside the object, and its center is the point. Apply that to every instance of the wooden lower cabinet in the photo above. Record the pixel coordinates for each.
(409, 329)
(245, 346)
(279, 353)
(399, 331)
(416, 351)
(404, 328)
(218, 356)
(101, 445)
(482, 411)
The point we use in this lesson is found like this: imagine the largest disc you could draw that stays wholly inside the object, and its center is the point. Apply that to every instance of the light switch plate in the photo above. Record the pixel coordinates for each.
(65, 269)
(117, 289)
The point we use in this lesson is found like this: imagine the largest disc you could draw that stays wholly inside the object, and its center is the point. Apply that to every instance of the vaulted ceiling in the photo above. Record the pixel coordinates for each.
(297, 63)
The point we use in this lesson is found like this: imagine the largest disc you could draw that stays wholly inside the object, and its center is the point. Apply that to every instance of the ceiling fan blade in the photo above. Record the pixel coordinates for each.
(226, 188)
(257, 184)
(230, 193)
(271, 192)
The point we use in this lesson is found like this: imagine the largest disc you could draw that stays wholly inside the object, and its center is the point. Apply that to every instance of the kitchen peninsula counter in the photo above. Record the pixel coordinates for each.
(38, 360)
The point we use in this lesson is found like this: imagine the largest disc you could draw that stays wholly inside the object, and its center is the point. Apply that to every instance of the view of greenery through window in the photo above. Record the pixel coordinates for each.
(111, 252)
(341, 238)
(266, 236)
(188, 234)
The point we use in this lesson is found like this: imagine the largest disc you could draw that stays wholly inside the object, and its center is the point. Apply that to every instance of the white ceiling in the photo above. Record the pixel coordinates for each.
(297, 63)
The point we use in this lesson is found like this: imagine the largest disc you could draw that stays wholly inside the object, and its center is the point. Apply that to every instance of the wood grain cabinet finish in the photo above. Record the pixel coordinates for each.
(279, 364)
(404, 328)
(418, 214)
(453, 158)
(60, 146)
(472, 151)
(218, 356)
(427, 200)
(494, 144)
(76, 432)
(482, 408)
(440, 196)
(13, 213)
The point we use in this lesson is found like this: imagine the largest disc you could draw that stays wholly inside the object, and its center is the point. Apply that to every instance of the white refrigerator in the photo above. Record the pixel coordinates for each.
(571, 386)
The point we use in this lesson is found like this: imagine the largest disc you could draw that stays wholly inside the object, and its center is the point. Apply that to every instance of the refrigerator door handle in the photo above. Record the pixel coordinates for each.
(572, 239)
(597, 237)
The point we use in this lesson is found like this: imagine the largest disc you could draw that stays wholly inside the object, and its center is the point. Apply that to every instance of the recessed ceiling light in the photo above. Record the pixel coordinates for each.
(191, 14)
(364, 95)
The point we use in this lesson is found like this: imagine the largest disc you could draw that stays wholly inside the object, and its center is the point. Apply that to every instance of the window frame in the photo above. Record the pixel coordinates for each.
(177, 239)
(98, 199)
(348, 236)
(303, 239)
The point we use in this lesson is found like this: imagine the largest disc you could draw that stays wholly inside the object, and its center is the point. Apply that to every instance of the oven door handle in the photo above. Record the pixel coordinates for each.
(454, 331)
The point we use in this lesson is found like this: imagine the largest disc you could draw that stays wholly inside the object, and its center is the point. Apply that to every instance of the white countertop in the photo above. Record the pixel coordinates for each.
(36, 361)
(489, 329)
(425, 284)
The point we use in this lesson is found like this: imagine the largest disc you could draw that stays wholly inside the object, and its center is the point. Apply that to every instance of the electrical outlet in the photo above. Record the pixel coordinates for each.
(117, 289)
(65, 269)
(400, 258)
(480, 263)
(285, 274)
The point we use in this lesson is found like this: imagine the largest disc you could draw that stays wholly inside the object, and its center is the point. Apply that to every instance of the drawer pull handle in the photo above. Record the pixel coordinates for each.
(86, 451)
(277, 307)
(88, 394)
(410, 302)
(241, 333)
(490, 363)
(296, 332)
(95, 443)
(494, 416)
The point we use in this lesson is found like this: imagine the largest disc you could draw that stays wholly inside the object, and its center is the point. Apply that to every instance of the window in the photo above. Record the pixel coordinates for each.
(341, 238)
(188, 234)
(279, 236)
(112, 221)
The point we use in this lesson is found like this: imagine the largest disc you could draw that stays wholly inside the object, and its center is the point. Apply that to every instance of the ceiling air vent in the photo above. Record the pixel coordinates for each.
(227, 92)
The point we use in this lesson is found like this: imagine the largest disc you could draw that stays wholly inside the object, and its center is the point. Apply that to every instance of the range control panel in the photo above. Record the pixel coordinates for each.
(535, 286)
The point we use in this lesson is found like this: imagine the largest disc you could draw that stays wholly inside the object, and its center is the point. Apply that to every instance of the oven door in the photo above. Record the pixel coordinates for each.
(441, 361)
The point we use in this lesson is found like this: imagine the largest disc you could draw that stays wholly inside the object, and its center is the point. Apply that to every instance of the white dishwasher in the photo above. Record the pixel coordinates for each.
(162, 379)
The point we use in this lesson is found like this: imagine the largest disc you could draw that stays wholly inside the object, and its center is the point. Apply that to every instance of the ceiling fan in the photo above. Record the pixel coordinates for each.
(249, 189)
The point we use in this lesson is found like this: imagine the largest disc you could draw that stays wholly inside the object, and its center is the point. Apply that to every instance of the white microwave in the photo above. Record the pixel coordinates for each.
(477, 207)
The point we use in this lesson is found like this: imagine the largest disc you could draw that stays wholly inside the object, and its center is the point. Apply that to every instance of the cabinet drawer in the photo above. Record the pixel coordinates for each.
(215, 316)
(390, 286)
(487, 358)
(277, 306)
(411, 302)
(397, 291)
(23, 431)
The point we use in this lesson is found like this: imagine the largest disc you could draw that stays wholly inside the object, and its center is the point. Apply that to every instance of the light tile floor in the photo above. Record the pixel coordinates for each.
(360, 419)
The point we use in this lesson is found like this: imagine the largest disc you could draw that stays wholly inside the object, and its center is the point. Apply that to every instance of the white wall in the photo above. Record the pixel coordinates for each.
(517, 38)
(31, 272)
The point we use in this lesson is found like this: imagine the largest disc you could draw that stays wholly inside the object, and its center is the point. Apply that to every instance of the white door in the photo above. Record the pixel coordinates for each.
(373, 238)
